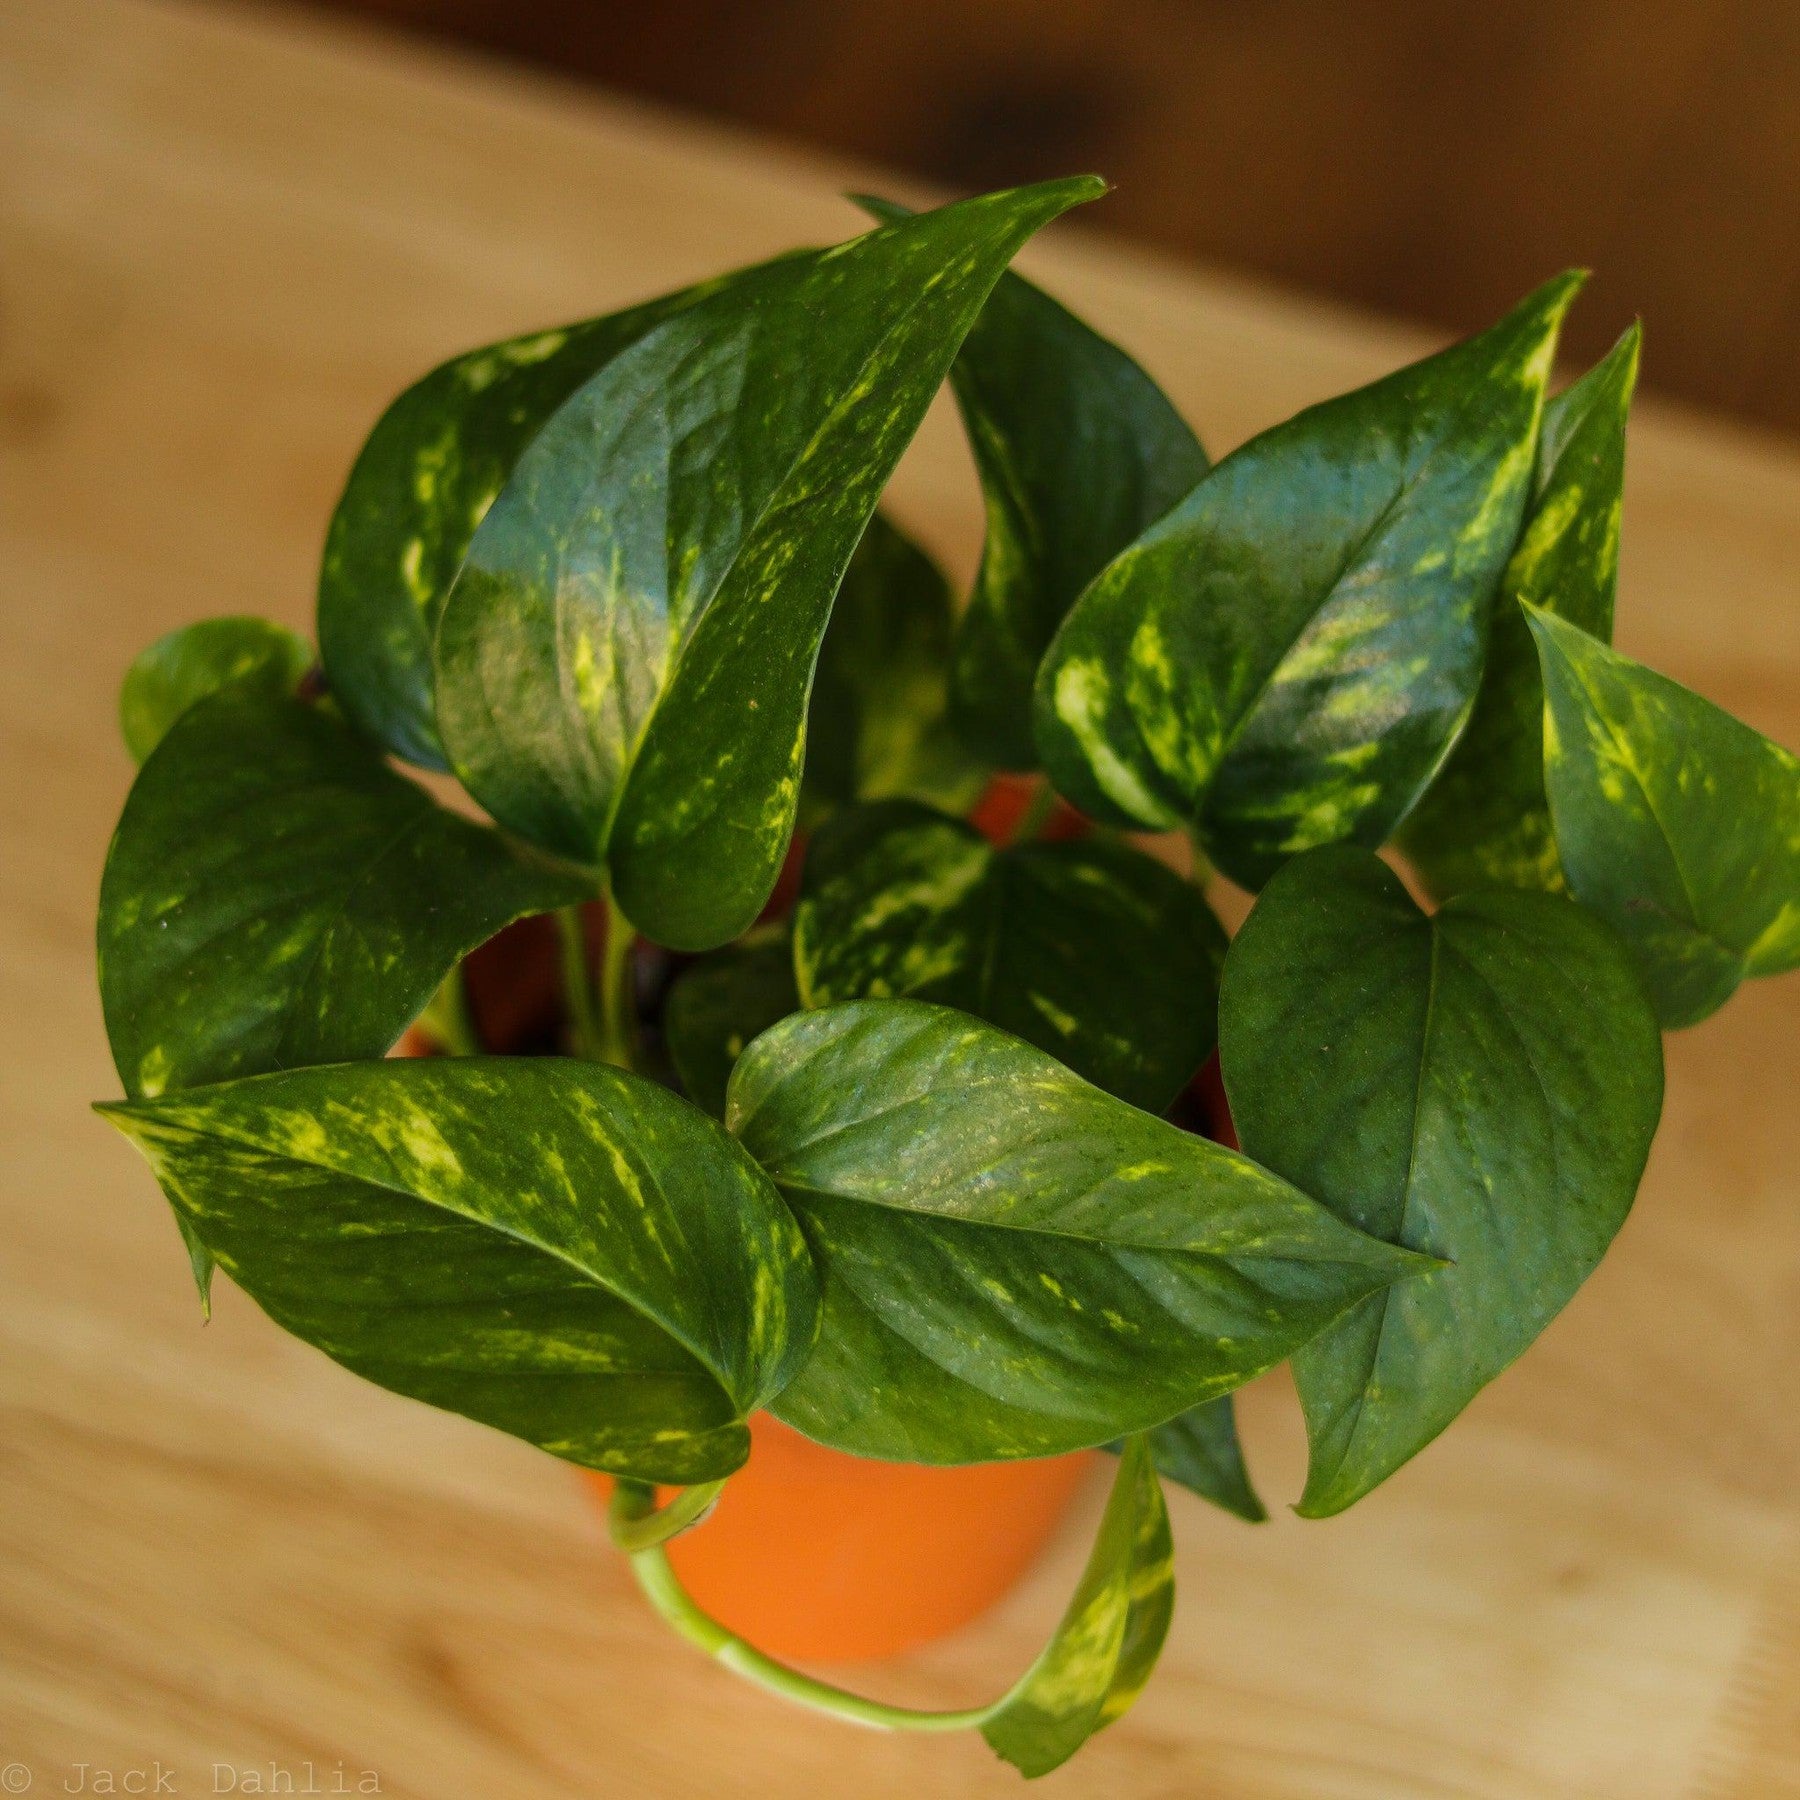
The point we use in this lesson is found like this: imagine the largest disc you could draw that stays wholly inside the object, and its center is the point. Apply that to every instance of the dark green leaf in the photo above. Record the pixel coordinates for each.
(1108, 1641)
(276, 895)
(1092, 951)
(1078, 451)
(1200, 1449)
(715, 1008)
(1482, 1085)
(624, 660)
(422, 484)
(878, 726)
(1676, 822)
(569, 1253)
(1013, 1262)
(198, 660)
(1485, 822)
(1286, 657)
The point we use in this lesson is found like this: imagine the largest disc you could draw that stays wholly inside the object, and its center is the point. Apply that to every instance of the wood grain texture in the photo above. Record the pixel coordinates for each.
(225, 240)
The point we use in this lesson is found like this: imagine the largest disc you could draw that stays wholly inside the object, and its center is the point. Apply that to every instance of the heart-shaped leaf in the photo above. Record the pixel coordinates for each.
(555, 1248)
(1481, 1084)
(1091, 950)
(1485, 822)
(1015, 1263)
(623, 662)
(878, 727)
(1286, 658)
(422, 484)
(1078, 452)
(1676, 822)
(184, 668)
(276, 895)
(716, 1007)
(1104, 1649)
(1200, 1450)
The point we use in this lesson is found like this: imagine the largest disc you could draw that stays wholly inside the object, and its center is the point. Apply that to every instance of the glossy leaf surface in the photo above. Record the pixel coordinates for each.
(1485, 822)
(1013, 1262)
(1092, 951)
(716, 1007)
(1200, 1450)
(1676, 822)
(1108, 1641)
(1287, 656)
(1481, 1084)
(1078, 452)
(196, 661)
(554, 1248)
(276, 895)
(624, 661)
(878, 727)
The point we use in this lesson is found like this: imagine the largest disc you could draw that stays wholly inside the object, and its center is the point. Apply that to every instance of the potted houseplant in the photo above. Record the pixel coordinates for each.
(888, 1144)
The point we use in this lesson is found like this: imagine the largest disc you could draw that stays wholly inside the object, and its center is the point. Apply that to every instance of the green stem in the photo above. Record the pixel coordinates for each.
(1035, 816)
(1200, 867)
(666, 1594)
(633, 1530)
(578, 985)
(618, 991)
(448, 1019)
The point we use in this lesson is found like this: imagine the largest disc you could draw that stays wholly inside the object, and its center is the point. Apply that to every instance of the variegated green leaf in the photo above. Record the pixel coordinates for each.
(276, 895)
(1674, 821)
(1090, 950)
(1104, 1649)
(1485, 822)
(1013, 1262)
(189, 664)
(878, 727)
(623, 662)
(716, 1007)
(1200, 1450)
(423, 482)
(555, 1248)
(1286, 657)
(1481, 1084)
(1078, 452)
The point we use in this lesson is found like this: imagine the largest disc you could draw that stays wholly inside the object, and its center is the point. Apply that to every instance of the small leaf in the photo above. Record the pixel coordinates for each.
(1092, 951)
(276, 895)
(1675, 822)
(1481, 1084)
(624, 661)
(557, 1249)
(1102, 1654)
(716, 1007)
(878, 726)
(1014, 1263)
(1285, 659)
(1200, 1449)
(1485, 822)
(1078, 452)
(198, 660)
(422, 484)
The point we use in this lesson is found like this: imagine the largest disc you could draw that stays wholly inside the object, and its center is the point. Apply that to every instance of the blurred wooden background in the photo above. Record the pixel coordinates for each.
(1432, 158)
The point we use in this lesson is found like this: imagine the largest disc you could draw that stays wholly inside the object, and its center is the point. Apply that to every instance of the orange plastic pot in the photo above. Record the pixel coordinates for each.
(817, 1556)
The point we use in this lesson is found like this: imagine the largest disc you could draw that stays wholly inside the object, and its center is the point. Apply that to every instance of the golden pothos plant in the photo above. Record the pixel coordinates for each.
(892, 1159)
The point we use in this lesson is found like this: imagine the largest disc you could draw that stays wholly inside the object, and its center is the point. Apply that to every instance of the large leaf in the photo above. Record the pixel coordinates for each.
(1104, 1649)
(189, 664)
(1485, 822)
(1013, 1262)
(1481, 1084)
(879, 725)
(566, 1252)
(716, 1007)
(1078, 451)
(1674, 821)
(1092, 951)
(276, 895)
(1200, 1450)
(623, 662)
(422, 484)
(1286, 658)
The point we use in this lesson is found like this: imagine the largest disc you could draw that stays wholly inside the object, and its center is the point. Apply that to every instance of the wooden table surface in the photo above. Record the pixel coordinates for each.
(225, 239)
